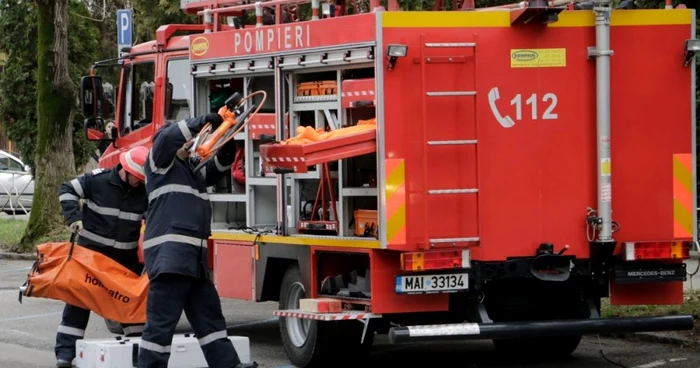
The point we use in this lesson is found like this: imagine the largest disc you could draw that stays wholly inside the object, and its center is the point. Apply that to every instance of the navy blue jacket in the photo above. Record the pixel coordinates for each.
(179, 212)
(112, 210)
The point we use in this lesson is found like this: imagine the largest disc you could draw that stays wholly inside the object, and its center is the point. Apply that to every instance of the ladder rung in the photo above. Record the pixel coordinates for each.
(454, 240)
(458, 44)
(446, 143)
(451, 93)
(452, 191)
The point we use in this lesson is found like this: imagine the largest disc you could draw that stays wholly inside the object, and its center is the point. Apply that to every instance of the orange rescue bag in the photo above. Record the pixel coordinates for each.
(88, 280)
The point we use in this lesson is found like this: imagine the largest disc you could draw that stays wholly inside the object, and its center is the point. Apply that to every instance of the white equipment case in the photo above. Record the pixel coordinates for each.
(121, 352)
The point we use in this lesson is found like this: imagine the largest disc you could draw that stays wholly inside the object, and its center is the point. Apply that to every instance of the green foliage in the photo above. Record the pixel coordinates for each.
(151, 14)
(18, 38)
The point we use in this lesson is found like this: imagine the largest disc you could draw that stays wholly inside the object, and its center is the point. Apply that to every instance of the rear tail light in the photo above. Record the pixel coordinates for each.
(666, 250)
(438, 260)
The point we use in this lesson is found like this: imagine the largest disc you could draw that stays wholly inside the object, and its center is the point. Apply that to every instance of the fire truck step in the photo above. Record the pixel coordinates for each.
(451, 93)
(459, 44)
(445, 143)
(344, 316)
(477, 331)
(454, 240)
(452, 191)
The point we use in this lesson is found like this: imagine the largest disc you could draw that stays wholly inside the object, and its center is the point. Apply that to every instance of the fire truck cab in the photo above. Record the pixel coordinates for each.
(479, 191)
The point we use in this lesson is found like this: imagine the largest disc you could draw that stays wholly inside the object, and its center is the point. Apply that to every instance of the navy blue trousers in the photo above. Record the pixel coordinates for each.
(168, 296)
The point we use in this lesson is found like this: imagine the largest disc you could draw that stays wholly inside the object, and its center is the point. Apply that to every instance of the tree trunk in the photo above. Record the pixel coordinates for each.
(55, 109)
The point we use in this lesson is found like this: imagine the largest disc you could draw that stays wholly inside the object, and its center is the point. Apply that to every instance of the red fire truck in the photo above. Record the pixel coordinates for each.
(484, 194)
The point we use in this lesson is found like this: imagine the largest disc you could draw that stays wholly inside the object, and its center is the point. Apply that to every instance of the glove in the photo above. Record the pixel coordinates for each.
(214, 119)
(76, 226)
(229, 149)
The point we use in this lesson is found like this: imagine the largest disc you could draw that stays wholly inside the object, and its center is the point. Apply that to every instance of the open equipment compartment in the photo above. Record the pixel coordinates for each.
(317, 99)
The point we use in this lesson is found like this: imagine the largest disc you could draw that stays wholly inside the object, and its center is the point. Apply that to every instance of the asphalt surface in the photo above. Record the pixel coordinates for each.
(27, 333)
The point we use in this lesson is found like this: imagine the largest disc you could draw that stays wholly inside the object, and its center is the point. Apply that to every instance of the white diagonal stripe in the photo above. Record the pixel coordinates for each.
(213, 337)
(184, 129)
(71, 331)
(174, 238)
(154, 347)
(108, 242)
(155, 168)
(107, 211)
(176, 188)
(67, 197)
(77, 187)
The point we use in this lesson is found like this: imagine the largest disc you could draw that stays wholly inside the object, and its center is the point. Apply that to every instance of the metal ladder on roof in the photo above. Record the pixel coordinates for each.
(429, 144)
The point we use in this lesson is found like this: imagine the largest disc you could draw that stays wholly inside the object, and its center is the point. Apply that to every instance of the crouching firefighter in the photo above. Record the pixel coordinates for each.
(114, 203)
(175, 246)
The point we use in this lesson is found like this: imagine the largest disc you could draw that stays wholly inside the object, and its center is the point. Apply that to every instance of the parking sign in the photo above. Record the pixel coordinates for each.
(124, 29)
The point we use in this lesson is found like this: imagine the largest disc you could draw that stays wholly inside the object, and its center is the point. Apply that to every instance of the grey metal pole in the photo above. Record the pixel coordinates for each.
(602, 54)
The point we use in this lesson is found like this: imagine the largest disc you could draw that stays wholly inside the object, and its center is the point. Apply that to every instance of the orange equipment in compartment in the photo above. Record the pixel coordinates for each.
(317, 88)
(366, 223)
(311, 147)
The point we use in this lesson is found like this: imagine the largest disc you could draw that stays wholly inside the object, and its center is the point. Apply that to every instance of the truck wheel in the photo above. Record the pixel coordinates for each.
(310, 343)
(114, 327)
(299, 336)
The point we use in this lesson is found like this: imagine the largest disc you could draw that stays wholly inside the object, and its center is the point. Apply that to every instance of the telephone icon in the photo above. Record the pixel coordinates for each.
(505, 121)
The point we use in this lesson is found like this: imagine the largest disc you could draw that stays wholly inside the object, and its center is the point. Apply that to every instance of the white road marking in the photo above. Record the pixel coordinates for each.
(657, 363)
(677, 359)
(31, 316)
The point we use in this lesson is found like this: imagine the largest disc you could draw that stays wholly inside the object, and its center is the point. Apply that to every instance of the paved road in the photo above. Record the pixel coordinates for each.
(27, 336)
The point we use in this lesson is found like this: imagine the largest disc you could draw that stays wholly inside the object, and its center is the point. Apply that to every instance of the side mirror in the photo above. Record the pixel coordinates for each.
(27, 168)
(95, 129)
(90, 95)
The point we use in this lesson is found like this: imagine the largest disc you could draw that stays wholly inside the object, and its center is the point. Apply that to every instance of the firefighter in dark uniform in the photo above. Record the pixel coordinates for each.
(114, 203)
(175, 246)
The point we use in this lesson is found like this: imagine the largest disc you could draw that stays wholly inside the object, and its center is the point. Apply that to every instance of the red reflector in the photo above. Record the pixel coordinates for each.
(438, 260)
(668, 250)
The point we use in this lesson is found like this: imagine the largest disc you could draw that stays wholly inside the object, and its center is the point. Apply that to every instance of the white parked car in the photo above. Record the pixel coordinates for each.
(16, 185)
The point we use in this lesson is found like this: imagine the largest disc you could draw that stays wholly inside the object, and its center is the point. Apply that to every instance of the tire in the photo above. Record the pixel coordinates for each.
(309, 343)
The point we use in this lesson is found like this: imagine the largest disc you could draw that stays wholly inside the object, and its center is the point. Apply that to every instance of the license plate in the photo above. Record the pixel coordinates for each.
(427, 284)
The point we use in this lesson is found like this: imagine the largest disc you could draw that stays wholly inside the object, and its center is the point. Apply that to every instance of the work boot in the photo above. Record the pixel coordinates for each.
(247, 365)
(60, 363)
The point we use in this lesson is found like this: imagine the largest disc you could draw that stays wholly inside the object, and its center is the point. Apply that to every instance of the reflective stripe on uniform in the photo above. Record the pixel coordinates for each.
(133, 329)
(77, 187)
(184, 129)
(67, 197)
(155, 169)
(176, 188)
(108, 242)
(154, 347)
(106, 211)
(71, 331)
(174, 238)
(213, 337)
(219, 166)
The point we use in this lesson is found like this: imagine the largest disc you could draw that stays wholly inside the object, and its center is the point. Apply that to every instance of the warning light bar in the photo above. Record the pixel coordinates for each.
(437, 260)
(666, 250)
